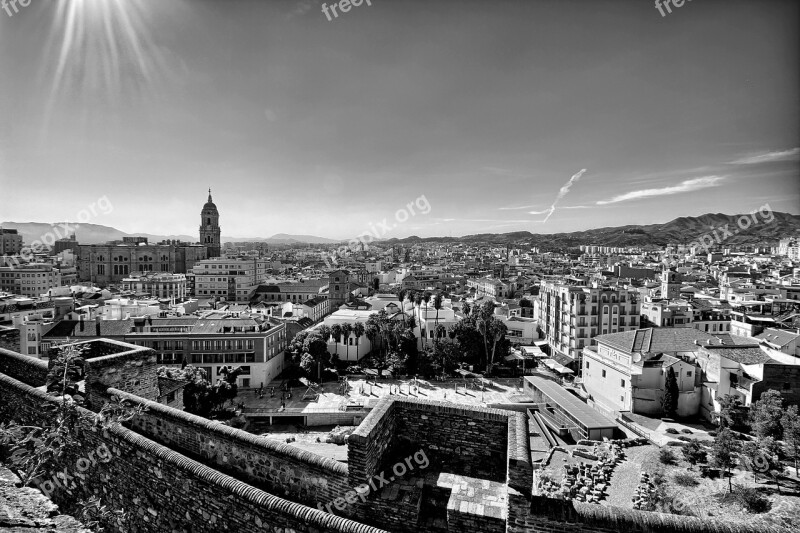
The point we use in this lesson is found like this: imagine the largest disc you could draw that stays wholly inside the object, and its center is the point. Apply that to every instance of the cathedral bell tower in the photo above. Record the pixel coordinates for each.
(210, 233)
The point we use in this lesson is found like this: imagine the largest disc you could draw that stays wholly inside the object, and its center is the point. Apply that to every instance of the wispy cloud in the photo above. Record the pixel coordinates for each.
(769, 157)
(561, 194)
(694, 184)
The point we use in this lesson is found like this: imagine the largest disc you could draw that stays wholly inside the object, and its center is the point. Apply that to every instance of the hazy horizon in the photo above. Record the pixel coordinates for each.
(543, 116)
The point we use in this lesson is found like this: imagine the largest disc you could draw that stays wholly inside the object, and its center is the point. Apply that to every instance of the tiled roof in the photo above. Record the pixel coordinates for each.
(741, 355)
(777, 337)
(107, 328)
(656, 340)
(167, 385)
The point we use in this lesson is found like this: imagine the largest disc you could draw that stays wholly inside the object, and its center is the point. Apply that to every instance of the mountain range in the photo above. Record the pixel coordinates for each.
(764, 228)
(98, 234)
(767, 228)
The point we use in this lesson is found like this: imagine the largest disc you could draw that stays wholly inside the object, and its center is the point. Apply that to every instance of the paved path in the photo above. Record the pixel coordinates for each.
(625, 477)
(362, 391)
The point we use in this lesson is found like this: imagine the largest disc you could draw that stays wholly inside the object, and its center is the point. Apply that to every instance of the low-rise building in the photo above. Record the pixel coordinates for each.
(158, 285)
(30, 280)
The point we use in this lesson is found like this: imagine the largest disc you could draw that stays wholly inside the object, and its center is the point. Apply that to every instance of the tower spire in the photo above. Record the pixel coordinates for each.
(209, 194)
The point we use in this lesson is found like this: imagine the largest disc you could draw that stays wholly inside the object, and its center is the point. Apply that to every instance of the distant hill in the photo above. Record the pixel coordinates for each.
(85, 233)
(98, 234)
(282, 238)
(681, 230)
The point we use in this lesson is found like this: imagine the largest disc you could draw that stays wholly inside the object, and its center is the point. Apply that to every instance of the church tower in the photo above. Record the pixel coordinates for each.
(670, 284)
(210, 233)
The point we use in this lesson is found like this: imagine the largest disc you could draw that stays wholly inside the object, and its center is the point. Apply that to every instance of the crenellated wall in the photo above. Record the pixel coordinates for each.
(162, 490)
(203, 476)
(277, 467)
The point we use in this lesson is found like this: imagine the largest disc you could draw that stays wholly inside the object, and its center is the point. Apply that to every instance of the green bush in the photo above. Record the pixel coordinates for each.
(666, 456)
(751, 499)
(671, 431)
(685, 479)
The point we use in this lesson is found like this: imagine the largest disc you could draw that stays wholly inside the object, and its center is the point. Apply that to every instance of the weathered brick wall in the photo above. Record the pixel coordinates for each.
(277, 467)
(519, 468)
(371, 442)
(470, 441)
(133, 371)
(162, 490)
(774, 378)
(547, 515)
(29, 370)
(9, 340)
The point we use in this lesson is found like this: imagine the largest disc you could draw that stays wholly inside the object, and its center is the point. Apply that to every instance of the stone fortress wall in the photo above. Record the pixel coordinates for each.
(173, 471)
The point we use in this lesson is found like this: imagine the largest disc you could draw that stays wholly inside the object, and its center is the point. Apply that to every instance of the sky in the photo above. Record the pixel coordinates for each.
(538, 115)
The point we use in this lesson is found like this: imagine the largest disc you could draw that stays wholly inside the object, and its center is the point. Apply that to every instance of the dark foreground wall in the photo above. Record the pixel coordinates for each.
(161, 490)
(277, 467)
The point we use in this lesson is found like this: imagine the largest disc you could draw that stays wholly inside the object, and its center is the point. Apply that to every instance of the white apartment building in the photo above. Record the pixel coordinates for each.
(230, 279)
(571, 316)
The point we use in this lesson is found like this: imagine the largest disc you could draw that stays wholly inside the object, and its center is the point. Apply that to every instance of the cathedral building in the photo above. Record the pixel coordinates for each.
(112, 262)
(210, 232)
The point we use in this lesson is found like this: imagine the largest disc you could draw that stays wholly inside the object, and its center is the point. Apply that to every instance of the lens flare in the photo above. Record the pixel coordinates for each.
(100, 51)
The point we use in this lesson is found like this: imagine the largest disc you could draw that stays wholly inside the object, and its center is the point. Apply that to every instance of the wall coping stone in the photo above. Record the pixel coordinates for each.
(237, 488)
(224, 430)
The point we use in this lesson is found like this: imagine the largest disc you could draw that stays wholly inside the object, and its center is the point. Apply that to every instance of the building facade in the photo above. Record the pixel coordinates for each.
(210, 232)
(10, 242)
(571, 316)
(29, 280)
(159, 285)
(113, 262)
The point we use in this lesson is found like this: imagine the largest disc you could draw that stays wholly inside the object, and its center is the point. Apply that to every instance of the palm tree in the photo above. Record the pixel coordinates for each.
(417, 305)
(426, 299)
(371, 331)
(465, 308)
(336, 331)
(358, 331)
(401, 296)
(498, 330)
(325, 333)
(484, 328)
(347, 329)
(441, 331)
(437, 304)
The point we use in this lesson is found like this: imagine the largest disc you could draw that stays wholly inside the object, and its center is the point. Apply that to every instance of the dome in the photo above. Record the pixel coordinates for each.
(210, 205)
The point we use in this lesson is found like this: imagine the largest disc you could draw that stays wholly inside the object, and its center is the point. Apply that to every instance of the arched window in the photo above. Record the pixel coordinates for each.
(208, 222)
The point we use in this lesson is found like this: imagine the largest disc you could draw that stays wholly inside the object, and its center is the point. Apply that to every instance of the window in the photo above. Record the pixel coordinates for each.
(245, 370)
(604, 373)
(787, 385)
(170, 397)
(622, 383)
(587, 364)
(689, 374)
(246, 383)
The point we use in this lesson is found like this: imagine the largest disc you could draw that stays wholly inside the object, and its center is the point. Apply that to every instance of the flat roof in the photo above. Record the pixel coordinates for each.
(587, 416)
